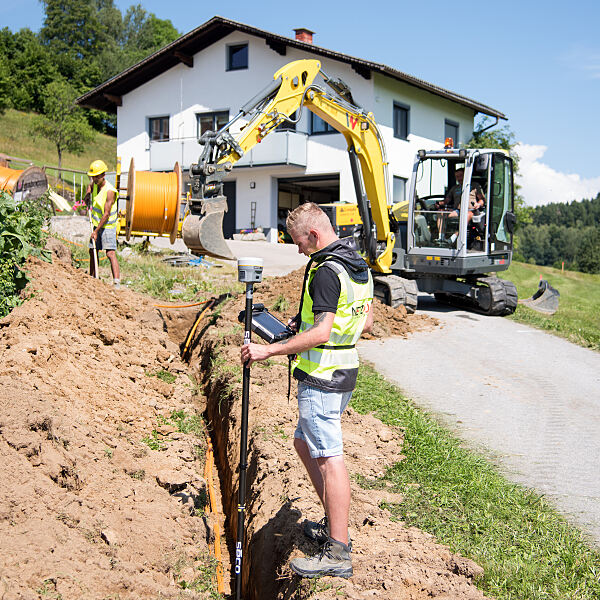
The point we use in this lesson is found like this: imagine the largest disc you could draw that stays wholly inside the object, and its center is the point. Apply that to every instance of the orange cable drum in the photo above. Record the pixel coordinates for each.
(153, 201)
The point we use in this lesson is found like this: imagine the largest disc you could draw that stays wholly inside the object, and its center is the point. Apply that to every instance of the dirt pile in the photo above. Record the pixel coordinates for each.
(88, 510)
(101, 489)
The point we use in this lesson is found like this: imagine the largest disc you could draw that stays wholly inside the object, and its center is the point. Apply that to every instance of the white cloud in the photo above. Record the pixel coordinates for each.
(541, 184)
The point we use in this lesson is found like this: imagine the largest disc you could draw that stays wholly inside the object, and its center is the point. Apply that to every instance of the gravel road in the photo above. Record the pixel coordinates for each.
(528, 398)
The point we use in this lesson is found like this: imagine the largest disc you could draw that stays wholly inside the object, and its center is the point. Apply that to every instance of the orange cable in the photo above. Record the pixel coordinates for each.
(9, 178)
(156, 198)
(193, 331)
(208, 476)
(182, 305)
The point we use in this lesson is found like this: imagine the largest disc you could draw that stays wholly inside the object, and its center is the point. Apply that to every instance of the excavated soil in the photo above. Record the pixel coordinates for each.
(89, 510)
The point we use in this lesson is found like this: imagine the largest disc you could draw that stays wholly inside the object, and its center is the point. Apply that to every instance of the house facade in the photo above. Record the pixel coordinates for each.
(200, 81)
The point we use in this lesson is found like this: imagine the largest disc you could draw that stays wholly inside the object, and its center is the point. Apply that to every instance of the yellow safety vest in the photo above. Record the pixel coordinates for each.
(98, 202)
(334, 366)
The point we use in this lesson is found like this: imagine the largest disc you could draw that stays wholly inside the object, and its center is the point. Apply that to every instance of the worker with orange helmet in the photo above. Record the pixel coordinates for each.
(101, 196)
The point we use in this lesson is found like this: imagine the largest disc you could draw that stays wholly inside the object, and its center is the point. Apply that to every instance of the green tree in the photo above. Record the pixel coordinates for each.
(588, 259)
(62, 122)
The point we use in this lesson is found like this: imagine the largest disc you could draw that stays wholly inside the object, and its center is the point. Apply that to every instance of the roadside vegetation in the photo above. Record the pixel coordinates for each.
(528, 551)
(21, 235)
(144, 270)
(577, 317)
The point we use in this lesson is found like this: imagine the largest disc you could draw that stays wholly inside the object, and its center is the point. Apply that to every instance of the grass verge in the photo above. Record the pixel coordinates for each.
(577, 315)
(527, 549)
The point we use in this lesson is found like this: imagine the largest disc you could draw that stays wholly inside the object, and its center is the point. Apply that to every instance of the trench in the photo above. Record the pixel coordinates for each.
(222, 414)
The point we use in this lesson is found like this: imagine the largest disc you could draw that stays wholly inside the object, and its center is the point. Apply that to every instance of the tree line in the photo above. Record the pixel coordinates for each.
(562, 232)
(81, 44)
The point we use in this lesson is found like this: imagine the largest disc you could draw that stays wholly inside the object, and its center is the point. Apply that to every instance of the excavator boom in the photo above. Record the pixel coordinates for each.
(292, 89)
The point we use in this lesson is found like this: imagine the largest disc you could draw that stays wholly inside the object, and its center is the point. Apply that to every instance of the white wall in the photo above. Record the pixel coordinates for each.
(182, 92)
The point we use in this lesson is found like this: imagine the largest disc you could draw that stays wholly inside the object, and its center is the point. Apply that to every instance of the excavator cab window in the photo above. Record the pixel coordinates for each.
(501, 203)
(435, 223)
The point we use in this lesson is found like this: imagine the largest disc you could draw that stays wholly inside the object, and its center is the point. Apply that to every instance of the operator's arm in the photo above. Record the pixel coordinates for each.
(314, 336)
(110, 200)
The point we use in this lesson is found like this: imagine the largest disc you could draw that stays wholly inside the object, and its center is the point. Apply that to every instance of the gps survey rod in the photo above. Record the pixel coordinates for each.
(249, 272)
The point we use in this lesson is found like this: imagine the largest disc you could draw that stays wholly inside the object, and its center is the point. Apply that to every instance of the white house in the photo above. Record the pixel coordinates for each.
(166, 101)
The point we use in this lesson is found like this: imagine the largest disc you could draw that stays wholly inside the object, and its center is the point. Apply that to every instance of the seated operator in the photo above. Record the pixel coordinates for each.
(452, 200)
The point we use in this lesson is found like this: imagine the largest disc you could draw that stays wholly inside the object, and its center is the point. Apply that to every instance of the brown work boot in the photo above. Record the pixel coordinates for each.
(332, 559)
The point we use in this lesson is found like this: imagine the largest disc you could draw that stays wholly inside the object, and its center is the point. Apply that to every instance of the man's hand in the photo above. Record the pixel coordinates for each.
(253, 352)
(94, 235)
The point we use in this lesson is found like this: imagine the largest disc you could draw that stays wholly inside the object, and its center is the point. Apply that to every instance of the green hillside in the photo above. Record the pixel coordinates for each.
(17, 140)
(577, 317)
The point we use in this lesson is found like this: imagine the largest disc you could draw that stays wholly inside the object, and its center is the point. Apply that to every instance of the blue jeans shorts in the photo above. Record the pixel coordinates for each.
(106, 240)
(319, 422)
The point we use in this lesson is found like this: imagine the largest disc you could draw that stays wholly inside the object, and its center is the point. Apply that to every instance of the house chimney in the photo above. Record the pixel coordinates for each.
(304, 35)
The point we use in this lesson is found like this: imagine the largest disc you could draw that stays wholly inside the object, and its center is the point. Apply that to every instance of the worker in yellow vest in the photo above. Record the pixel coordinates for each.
(335, 308)
(103, 198)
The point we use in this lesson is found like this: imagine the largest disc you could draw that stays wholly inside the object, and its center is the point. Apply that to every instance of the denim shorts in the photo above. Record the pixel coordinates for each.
(107, 240)
(319, 422)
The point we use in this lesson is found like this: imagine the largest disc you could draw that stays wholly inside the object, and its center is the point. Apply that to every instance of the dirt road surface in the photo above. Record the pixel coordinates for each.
(528, 397)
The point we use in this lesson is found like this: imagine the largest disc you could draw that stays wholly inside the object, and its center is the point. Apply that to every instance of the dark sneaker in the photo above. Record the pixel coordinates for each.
(317, 531)
(332, 559)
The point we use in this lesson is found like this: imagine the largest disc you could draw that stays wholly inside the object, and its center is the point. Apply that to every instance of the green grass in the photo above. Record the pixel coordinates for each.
(577, 316)
(15, 140)
(527, 549)
(146, 273)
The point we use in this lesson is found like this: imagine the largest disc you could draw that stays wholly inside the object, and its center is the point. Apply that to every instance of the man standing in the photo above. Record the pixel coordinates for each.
(103, 198)
(336, 307)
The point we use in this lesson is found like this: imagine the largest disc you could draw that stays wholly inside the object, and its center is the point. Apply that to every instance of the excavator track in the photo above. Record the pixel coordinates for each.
(395, 291)
(495, 297)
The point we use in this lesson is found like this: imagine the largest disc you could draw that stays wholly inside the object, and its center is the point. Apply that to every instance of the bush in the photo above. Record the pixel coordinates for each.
(21, 235)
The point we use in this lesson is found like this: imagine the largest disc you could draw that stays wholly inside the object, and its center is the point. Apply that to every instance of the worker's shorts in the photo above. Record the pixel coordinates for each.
(319, 422)
(106, 240)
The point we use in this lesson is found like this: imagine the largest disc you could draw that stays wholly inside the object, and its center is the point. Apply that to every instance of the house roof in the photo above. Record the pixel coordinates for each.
(107, 96)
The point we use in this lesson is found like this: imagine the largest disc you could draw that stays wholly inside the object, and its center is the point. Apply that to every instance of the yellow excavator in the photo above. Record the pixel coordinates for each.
(414, 246)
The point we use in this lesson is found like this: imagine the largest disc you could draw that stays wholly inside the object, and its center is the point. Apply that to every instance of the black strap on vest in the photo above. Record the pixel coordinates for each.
(344, 347)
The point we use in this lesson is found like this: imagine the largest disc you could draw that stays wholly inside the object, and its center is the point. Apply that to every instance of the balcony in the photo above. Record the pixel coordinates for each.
(279, 148)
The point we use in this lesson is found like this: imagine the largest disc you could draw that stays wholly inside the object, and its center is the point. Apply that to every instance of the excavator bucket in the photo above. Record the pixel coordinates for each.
(203, 234)
(545, 299)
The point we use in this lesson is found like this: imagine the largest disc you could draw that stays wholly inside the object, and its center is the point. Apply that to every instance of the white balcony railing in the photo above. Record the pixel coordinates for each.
(279, 148)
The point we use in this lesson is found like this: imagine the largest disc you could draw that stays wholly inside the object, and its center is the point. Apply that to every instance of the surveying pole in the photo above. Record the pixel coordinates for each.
(249, 272)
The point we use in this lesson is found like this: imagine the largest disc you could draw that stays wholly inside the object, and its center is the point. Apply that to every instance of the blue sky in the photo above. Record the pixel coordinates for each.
(536, 61)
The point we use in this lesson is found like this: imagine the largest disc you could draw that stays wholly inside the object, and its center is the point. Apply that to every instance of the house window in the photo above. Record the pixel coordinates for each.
(159, 129)
(211, 121)
(318, 126)
(451, 131)
(399, 190)
(401, 121)
(237, 57)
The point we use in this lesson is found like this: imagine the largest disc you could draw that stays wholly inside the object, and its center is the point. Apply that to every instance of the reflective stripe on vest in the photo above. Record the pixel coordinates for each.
(98, 202)
(339, 353)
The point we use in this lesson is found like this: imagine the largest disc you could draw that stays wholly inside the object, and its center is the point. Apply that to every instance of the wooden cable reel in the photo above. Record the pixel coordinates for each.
(153, 202)
(31, 182)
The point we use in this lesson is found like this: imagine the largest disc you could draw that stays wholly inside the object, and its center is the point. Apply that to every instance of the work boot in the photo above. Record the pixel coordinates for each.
(318, 531)
(332, 559)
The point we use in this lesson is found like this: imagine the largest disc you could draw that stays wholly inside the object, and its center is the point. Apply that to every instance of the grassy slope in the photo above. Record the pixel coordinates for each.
(579, 306)
(16, 140)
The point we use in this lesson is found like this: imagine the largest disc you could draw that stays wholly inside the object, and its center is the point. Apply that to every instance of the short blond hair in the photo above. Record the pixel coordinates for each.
(308, 216)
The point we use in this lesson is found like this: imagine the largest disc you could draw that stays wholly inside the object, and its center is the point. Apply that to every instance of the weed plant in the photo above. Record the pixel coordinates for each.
(21, 235)
(528, 551)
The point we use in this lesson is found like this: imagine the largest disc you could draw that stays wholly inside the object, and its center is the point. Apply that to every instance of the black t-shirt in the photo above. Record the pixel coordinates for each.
(325, 290)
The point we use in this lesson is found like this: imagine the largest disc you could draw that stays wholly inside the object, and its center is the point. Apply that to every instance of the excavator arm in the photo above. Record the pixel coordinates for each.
(292, 89)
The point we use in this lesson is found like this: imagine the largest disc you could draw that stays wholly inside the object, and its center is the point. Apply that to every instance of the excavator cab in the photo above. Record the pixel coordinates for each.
(460, 227)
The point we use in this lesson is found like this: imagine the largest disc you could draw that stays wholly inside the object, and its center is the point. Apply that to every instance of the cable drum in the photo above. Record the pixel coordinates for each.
(153, 202)
(28, 183)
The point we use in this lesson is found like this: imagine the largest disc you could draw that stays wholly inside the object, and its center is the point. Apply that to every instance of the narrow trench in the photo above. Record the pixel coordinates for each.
(259, 581)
